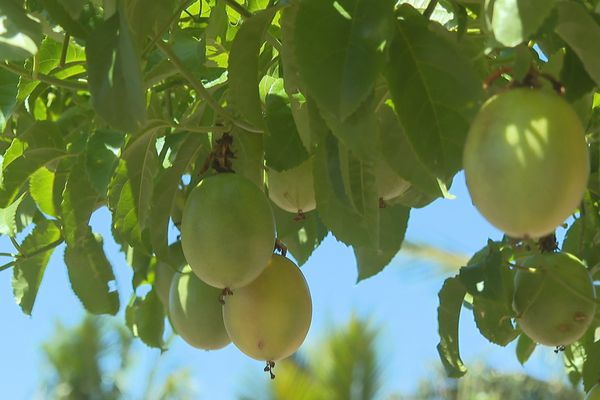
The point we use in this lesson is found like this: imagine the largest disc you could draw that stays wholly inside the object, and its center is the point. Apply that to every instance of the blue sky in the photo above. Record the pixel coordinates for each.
(402, 301)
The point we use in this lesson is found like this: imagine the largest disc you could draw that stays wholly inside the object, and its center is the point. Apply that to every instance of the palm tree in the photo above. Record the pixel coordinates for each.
(346, 366)
(91, 361)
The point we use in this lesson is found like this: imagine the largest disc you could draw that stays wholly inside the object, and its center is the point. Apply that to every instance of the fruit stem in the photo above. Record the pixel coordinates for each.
(226, 292)
(281, 247)
(269, 368)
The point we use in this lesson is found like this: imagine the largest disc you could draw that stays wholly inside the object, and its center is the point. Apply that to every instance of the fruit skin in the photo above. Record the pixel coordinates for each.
(293, 190)
(227, 231)
(594, 393)
(526, 162)
(269, 318)
(555, 303)
(389, 184)
(195, 312)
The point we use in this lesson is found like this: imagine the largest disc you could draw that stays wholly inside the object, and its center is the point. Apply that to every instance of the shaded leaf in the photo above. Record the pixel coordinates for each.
(101, 159)
(114, 74)
(525, 348)
(435, 92)
(132, 186)
(20, 34)
(451, 297)
(591, 366)
(146, 319)
(165, 191)
(340, 50)
(8, 95)
(28, 273)
(393, 221)
(301, 236)
(581, 32)
(243, 66)
(79, 200)
(91, 275)
(283, 146)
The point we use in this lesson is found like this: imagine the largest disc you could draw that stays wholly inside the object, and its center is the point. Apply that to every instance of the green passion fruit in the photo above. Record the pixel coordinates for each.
(227, 231)
(526, 162)
(195, 311)
(389, 184)
(293, 190)
(554, 298)
(269, 319)
(594, 393)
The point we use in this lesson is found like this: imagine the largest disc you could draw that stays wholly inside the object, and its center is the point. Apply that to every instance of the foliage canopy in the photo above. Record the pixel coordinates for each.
(121, 103)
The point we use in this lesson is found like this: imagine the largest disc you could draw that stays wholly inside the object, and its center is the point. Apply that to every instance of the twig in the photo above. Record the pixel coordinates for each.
(430, 8)
(162, 31)
(201, 90)
(41, 250)
(8, 265)
(16, 244)
(245, 13)
(43, 78)
(65, 49)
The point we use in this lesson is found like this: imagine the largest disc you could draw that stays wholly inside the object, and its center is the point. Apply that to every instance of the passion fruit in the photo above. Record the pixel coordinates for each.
(269, 319)
(195, 311)
(293, 190)
(227, 231)
(554, 298)
(526, 162)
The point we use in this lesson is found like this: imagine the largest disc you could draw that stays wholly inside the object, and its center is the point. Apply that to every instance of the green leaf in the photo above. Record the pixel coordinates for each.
(49, 63)
(283, 146)
(165, 191)
(132, 187)
(60, 13)
(574, 77)
(400, 155)
(490, 282)
(114, 75)
(591, 366)
(148, 17)
(581, 32)
(8, 95)
(146, 319)
(514, 21)
(41, 188)
(79, 200)
(340, 50)
(16, 174)
(243, 66)
(358, 132)
(336, 209)
(301, 235)
(91, 275)
(20, 34)
(101, 159)
(525, 348)
(435, 91)
(393, 221)
(583, 237)
(8, 218)
(249, 155)
(28, 273)
(451, 298)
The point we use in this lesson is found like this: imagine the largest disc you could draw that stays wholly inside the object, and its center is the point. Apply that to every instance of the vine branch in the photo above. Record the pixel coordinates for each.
(43, 77)
(201, 90)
